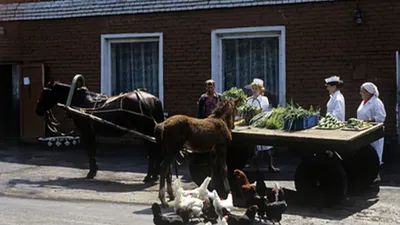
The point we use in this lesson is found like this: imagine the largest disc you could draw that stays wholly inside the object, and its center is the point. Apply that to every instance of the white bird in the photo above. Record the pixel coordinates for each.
(188, 203)
(219, 222)
(219, 204)
(200, 192)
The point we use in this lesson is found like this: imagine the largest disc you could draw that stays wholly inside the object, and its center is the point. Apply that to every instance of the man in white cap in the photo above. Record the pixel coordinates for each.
(372, 109)
(336, 103)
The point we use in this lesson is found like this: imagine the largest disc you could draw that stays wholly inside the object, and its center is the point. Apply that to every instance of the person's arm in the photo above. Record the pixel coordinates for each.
(200, 107)
(338, 110)
(265, 104)
(379, 112)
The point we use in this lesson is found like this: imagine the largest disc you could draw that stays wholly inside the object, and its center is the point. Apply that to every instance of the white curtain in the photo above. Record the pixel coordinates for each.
(247, 58)
(134, 65)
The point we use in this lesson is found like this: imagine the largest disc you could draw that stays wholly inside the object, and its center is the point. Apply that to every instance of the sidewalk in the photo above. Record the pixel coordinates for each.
(60, 174)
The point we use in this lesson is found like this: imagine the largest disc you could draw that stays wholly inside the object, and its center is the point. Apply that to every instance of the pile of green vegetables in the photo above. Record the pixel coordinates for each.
(247, 112)
(275, 119)
(294, 112)
(330, 122)
(271, 120)
(354, 123)
(234, 93)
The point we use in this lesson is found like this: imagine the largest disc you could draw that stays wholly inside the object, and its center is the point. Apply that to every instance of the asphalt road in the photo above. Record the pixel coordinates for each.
(20, 211)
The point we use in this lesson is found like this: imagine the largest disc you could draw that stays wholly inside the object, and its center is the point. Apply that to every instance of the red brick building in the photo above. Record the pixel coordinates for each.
(172, 47)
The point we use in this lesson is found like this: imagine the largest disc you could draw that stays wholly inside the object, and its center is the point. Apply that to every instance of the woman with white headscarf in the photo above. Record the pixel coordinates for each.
(372, 109)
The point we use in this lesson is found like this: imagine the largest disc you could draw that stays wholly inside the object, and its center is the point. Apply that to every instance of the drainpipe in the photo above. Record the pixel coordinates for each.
(398, 95)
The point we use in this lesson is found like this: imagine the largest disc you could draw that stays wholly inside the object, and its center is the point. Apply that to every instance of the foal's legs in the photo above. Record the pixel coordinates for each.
(164, 171)
(169, 182)
(89, 142)
(220, 169)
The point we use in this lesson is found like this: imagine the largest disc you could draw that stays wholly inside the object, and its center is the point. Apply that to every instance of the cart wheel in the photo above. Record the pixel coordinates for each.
(323, 183)
(199, 167)
(362, 167)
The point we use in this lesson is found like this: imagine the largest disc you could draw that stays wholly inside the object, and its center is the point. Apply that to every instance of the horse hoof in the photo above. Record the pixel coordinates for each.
(150, 179)
(147, 179)
(164, 205)
(91, 175)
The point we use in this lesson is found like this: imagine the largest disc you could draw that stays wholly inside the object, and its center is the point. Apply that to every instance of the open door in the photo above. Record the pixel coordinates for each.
(32, 80)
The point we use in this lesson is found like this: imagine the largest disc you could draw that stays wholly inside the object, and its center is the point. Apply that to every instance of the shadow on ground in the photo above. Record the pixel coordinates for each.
(352, 204)
(109, 157)
(84, 184)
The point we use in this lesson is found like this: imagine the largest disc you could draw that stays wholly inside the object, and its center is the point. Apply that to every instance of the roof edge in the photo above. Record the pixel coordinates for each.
(62, 9)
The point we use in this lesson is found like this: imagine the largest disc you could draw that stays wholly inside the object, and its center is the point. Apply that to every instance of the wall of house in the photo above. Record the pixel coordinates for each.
(321, 40)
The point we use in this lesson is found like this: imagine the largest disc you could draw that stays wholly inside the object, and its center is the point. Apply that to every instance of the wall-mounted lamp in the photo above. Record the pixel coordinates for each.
(358, 16)
(1, 30)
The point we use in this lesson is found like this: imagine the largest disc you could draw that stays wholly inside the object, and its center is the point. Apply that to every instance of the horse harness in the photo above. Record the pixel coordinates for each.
(99, 98)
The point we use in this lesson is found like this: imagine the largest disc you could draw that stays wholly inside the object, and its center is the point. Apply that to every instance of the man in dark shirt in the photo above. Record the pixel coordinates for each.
(208, 101)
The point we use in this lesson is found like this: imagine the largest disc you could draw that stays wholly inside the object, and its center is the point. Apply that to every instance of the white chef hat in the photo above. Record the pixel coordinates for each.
(256, 81)
(333, 79)
(371, 88)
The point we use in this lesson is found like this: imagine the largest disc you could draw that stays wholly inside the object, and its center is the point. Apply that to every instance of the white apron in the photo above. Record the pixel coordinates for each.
(336, 106)
(263, 100)
(375, 109)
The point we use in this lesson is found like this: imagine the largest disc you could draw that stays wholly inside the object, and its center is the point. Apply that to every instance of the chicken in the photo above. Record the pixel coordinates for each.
(184, 214)
(276, 205)
(209, 211)
(187, 205)
(219, 204)
(159, 219)
(220, 222)
(244, 186)
(261, 202)
(246, 219)
(201, 192)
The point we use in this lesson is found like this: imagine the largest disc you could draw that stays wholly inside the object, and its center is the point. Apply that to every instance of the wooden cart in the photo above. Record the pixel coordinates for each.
(332, 160)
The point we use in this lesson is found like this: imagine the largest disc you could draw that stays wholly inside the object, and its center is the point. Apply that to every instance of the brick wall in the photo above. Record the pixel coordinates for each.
(321, 40)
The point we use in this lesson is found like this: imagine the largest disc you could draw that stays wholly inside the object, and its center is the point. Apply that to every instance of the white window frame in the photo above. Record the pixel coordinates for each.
(108, 39)
(248, 32)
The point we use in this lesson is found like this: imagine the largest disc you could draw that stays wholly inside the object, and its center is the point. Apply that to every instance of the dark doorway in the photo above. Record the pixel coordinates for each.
(9, 116)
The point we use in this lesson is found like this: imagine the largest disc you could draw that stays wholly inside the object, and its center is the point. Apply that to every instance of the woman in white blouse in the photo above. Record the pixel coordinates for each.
(372, 109)
(336, 103)
(259, 100)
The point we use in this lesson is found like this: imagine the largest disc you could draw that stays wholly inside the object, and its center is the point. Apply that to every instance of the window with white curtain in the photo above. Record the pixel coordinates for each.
(244, 59)
(131, 61)
(241, 54)
(134, 65)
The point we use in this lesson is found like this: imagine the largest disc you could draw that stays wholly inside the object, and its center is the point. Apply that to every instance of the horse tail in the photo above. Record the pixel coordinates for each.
(159, 132)
(159, 112)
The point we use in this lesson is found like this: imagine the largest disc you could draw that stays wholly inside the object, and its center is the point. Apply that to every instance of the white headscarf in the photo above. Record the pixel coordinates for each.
(371, 88)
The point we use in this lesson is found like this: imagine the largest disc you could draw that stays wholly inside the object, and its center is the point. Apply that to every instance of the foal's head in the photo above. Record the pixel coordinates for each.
(226, 110)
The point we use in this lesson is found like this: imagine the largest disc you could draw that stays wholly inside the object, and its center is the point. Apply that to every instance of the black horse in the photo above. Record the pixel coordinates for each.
(136, 110)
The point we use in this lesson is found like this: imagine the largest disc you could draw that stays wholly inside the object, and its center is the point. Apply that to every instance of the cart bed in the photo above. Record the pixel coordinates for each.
(333, 139)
